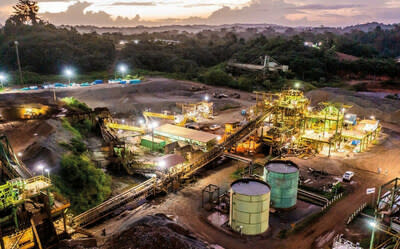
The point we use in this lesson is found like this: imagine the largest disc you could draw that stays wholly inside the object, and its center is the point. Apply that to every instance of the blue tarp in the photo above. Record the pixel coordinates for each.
(59, 85)
(96, 82)
(355, 142)
(135, 81)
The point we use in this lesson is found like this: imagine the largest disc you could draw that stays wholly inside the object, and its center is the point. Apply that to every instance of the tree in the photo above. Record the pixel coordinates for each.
(26, 11)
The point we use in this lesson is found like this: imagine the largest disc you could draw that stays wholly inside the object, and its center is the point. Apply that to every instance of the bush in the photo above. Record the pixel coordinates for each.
(76, 146)
(82, 183)
(75, 105)
(67, 125)
(84, 127)
(217, 77)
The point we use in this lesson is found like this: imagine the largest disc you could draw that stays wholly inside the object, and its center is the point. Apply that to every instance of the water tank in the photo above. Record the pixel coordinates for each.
(249, 211)
(283, 177)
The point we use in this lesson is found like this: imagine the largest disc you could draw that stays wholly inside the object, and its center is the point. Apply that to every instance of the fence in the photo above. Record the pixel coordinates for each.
(355, 213)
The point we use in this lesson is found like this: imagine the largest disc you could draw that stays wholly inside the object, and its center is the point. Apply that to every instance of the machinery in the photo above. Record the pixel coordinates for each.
(268, 64)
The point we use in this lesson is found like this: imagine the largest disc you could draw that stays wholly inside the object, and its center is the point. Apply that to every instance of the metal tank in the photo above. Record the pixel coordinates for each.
(249, 210)
(283, 177)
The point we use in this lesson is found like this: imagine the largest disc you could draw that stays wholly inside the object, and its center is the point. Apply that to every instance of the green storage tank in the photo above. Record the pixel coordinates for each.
(283, 177)
(249, 208)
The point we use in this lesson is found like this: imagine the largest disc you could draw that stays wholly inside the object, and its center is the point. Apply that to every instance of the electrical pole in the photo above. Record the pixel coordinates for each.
(18, 62)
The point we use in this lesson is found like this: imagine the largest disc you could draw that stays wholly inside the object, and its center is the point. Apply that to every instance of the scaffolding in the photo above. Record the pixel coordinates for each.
(295, 127)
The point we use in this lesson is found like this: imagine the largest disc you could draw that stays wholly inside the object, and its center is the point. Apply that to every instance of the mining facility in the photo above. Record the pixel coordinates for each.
(278, 169)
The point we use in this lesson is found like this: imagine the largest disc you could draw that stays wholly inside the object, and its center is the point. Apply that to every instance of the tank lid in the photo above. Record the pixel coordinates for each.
(250, 187)
(280, 166)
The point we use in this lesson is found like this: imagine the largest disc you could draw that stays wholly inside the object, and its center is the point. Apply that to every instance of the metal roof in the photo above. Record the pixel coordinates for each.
(281, 167)
(250, 187)
(186, 133)
(171, 160)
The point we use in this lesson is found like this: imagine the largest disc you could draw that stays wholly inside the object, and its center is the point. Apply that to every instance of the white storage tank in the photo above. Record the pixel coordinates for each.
(249, 208)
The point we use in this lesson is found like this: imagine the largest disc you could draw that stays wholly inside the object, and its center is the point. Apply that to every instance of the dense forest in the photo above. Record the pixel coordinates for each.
(45, 50)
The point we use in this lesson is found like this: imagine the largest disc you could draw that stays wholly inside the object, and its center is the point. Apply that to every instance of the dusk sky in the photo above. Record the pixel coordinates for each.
(160, 12)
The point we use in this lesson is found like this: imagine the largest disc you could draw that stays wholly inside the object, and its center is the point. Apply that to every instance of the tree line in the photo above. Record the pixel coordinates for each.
(46, 49)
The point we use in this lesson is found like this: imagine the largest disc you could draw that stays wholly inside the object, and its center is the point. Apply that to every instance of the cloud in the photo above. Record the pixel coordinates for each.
(133, 4)
(258, 11)
(327, 7)
(76, 15)
(162, 12)
(199, 5)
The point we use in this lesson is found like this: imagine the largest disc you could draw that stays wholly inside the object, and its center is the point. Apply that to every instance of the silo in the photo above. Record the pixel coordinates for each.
(283, 177)
(249, 212)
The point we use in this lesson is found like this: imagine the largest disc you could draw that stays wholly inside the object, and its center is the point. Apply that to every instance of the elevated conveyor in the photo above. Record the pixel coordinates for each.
(142, 191)
(9, 162)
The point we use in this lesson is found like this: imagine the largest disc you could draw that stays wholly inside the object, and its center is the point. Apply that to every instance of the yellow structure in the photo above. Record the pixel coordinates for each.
(158, 115)
(294, 127)
(179, 120)
(125, 127)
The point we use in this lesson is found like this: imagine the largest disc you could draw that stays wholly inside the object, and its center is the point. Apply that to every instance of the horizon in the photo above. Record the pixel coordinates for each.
(290, 13)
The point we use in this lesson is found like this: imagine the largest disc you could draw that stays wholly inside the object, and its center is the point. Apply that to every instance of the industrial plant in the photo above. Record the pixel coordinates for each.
(269, 157)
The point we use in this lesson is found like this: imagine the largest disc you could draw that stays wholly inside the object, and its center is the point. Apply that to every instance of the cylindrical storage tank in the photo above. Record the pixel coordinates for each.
(283, 177)
(249, 211)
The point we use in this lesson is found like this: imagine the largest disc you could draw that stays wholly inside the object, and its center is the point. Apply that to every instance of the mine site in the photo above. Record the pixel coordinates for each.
(246, 124)
(196, 166)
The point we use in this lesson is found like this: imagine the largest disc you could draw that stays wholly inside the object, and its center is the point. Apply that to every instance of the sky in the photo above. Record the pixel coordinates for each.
(166, 12)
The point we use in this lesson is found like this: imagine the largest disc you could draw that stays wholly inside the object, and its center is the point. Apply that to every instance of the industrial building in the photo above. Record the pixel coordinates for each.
(177, 133)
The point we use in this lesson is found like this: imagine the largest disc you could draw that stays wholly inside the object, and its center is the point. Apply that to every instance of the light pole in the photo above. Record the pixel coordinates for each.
(123, 69)
(40, 167)
(141, 122)
(18, 62)
(153, 125)
(2, 79)
(162, 165)
(69, 73)
(48, 172)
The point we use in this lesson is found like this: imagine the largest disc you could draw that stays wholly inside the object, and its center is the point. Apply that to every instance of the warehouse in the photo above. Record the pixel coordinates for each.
(177, 133)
